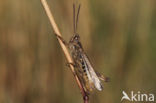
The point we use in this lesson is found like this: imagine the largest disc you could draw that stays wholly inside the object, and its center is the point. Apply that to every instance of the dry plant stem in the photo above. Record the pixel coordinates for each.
(65, 50)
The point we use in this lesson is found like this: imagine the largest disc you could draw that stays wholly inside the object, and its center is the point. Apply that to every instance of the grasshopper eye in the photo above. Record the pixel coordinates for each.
(77, 37)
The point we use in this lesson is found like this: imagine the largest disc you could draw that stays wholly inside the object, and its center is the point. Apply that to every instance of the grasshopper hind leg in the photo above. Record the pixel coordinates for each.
(104, 78)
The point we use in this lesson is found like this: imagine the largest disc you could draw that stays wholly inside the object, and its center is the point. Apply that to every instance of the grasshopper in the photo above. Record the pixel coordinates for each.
(84, 70)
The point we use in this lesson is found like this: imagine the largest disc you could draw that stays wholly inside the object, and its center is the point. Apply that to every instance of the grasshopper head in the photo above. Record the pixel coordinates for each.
(75, 38)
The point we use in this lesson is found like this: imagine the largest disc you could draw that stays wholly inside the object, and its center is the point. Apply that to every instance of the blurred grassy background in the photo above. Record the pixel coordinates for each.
(119, 37)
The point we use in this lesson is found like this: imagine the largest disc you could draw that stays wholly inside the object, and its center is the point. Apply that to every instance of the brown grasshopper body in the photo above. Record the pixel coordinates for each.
(84, 70)
(81, 65)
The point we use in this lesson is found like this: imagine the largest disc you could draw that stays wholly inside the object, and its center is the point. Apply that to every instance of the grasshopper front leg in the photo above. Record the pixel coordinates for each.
(64, 42)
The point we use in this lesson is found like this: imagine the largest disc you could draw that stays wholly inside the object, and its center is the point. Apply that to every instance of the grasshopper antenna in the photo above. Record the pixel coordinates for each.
(75, 18)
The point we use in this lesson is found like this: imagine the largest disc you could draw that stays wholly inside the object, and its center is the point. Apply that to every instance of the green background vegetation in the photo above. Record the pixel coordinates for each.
(119, 37)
